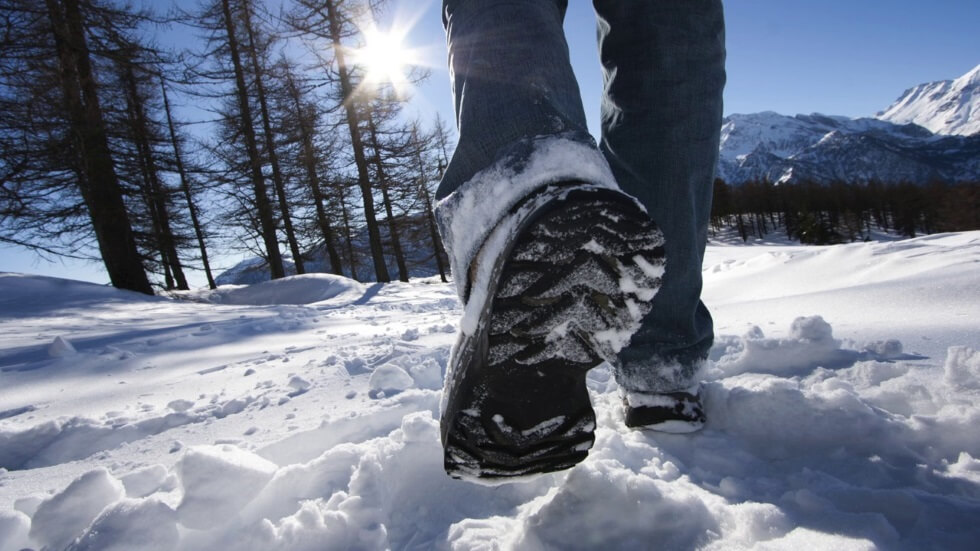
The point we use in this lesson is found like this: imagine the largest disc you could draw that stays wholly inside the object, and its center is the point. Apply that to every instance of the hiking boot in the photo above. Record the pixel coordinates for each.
(559, 286)
(671, 412)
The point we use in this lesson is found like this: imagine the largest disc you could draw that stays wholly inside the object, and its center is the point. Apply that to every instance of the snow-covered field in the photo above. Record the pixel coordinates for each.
(843, 404)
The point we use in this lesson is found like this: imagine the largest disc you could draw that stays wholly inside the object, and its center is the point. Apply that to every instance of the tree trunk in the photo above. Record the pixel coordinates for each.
(262, 205)
(270, 143)
(357, 144)
(430, 214)
(186, 189)
(155, 191)
(393, 234)
(100, 187)
(313, 179)
(347, 229)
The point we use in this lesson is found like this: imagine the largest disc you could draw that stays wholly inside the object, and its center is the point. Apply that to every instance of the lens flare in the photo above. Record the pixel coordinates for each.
(385, 58)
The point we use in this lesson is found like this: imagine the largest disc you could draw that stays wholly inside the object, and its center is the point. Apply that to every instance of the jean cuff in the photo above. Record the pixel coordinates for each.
(658, 376)
(468, 215)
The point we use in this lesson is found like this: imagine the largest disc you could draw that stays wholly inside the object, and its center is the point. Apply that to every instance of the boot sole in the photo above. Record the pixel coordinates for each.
(566, 296)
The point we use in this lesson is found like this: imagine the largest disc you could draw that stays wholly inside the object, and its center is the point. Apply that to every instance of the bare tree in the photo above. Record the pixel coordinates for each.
(185, 186)
(59, 181)
(264, 209)
(332, 21)
(305, 115)
(258, 63)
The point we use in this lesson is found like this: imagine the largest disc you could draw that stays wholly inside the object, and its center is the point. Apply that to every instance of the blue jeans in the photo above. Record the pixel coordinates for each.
(663, 72)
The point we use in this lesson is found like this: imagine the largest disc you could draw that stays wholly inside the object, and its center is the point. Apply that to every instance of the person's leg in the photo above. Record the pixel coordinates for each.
(555, 266)
(511, 79)
(663, 66)
(519, 114)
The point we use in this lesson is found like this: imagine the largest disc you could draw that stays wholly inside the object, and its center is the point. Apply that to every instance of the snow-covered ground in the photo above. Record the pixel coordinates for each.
(843, 405)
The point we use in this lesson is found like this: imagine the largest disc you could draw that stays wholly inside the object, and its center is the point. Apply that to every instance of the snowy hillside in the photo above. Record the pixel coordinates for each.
(416, 244)
(843, 401)
(944, 107)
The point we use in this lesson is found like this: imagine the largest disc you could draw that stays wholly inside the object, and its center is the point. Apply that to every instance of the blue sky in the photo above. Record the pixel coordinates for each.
(839, 57)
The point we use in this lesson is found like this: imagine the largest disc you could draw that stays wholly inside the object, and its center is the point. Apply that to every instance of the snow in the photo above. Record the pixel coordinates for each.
(145, 524)
(68, 513)
(944, 107)
(60, 347)
(300, 289)
(777, 148)
(217, 482)
(469, 214)
(388, 380)
(842, 399)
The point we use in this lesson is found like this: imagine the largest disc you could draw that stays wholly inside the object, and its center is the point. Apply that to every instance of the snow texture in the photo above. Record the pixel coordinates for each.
(66, 514)
(841, 396)
(218, 481)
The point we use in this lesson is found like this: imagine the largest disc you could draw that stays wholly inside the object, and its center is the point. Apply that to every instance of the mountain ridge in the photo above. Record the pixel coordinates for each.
(888, 148)
(950, 107)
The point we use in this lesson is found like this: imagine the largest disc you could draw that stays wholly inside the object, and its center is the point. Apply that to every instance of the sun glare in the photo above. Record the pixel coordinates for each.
(385, 58)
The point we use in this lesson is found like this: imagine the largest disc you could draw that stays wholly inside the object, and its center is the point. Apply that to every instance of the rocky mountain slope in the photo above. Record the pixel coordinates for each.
(780, 148)
(949, 107)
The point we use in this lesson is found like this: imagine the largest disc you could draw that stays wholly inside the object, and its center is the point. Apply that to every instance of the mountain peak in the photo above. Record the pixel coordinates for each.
(944, 107)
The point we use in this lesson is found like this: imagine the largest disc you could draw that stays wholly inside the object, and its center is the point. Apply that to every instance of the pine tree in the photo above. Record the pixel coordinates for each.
(257, 60)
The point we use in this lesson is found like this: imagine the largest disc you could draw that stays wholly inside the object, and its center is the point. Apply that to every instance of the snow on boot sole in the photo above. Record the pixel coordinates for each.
(567, 294)
(671, 412)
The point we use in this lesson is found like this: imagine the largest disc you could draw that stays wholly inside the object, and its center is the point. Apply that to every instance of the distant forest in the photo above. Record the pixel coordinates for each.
(263, 132)
(823, 214)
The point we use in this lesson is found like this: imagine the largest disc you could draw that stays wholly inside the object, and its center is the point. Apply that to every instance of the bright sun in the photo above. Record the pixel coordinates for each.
(385, 58)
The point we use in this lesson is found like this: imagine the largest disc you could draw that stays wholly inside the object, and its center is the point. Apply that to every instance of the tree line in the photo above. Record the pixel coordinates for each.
(840, 212)
(295, 148)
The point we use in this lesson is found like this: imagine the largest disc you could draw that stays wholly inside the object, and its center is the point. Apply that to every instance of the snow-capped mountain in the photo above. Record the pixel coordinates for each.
(779, 148)
(931, 133)
(944, 107)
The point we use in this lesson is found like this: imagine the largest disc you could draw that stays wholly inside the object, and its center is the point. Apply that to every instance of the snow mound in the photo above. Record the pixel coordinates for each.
(60, 518)
(144, 524)
(218, 481)
(14, 526)
(148, 480)
(810, 344)
(25, 294)
(389, 379)
(300, 289)
(962, 367)
(60, 348)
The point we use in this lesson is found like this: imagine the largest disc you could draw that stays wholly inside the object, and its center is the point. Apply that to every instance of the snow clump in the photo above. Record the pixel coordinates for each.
(218, 481)
(388, 380)
(63, 516)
